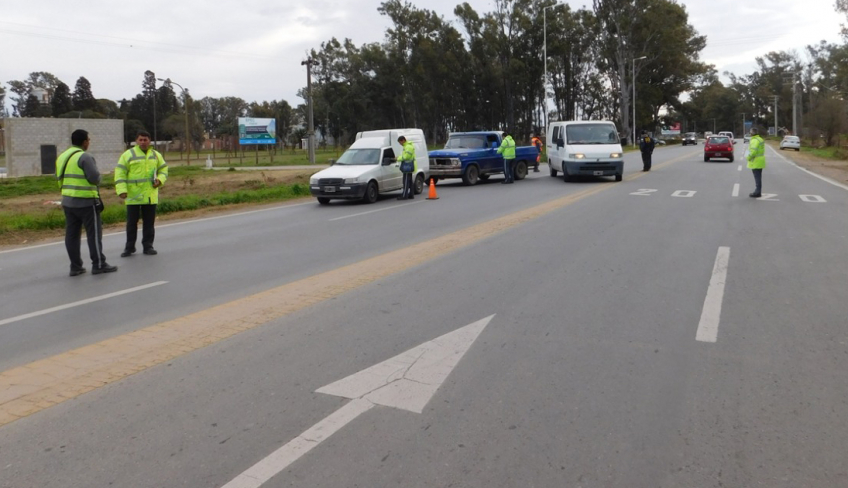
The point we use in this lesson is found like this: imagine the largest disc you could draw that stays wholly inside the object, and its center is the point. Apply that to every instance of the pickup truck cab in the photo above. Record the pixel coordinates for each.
(473, 156)
(370, 167)
(587, 147)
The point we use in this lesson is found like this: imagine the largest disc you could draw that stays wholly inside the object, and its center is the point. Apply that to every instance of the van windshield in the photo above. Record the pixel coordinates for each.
(591, 134)
(360, 157)
(466, 142)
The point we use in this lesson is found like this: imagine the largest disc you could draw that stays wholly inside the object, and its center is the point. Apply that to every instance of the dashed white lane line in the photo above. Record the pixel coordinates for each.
(81, 302)
(735, 190)
(739, 168)
(373, 211)
(711, 313)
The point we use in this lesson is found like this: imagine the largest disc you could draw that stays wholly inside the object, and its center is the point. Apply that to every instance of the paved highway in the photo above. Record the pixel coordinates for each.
(665, 331)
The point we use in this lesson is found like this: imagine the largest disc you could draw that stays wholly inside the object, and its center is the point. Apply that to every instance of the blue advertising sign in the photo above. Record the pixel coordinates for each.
(257, 131)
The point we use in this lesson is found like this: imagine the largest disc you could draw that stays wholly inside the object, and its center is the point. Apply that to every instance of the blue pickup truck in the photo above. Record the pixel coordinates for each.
(473, 156)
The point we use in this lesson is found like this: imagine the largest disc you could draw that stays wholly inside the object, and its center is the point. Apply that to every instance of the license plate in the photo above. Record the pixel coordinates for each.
(329, 189)
(598, 173)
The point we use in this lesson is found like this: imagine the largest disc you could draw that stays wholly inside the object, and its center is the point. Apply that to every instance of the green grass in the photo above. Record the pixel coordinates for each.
(833, 152)
(55, 219)
(251, 157)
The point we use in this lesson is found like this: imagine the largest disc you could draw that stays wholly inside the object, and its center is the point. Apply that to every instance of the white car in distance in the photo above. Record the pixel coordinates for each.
(790, 142)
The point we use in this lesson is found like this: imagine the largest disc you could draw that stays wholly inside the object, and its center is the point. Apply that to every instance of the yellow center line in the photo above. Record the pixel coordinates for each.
(30, 388)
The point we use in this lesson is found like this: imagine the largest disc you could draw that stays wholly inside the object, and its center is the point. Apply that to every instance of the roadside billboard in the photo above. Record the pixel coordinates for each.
(257, 131)
(671, 130)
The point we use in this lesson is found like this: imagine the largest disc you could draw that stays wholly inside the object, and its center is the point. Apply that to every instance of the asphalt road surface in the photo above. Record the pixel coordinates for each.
(663, 331)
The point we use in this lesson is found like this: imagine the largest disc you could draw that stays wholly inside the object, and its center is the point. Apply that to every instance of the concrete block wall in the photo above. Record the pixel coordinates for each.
(25, 136)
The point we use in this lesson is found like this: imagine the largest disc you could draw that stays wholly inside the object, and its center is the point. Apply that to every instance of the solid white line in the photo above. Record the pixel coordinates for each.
(710, 315)
(162, 226)
(81, 302)
(739, 168)
(372, 211)
(280, 459)
(735, 190)
(823, 178)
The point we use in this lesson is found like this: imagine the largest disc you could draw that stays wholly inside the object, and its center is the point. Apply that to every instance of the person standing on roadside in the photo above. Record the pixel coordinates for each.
(757, 161)
(78, 177)
(138, 176)
(507, 148)
(408, 163)
(646, 146)
(538, 143)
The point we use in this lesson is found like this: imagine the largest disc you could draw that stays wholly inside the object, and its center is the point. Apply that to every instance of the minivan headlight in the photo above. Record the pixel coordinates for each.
(577, 156)
(615, 155)
(313, 181)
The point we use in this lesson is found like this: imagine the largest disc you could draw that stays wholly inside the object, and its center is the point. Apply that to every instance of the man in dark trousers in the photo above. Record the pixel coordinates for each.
(78, 178)
(646, 146)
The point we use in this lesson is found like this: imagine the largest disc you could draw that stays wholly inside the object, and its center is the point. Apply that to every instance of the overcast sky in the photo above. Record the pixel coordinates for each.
(253, 50)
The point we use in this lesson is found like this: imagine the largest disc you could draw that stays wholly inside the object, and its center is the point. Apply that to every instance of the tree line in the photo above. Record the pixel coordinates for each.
(487, 70)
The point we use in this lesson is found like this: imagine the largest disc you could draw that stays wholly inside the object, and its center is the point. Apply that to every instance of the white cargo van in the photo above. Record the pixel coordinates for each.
(370, 167)
(585, 147)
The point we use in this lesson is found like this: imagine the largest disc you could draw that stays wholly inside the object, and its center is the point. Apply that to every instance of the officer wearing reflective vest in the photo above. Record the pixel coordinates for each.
(78, 178)
(757, 161)
(408, 155)
(507, 148)
(140, 172)
(538, 143)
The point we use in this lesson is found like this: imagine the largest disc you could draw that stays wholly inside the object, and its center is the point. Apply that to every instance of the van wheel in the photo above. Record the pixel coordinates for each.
(619, 177)
(419, 184)
(323, 200)
(471, 175)
(553, 171)
(565, 176)
(520, 170)
(370, 193)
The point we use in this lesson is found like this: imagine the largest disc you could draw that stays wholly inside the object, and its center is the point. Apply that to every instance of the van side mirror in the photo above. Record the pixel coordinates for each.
(388, 161)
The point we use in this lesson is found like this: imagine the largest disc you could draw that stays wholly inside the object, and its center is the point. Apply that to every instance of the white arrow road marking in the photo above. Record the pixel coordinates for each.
(81, 302)
(711, 313)
(407, 381)
(735, 192)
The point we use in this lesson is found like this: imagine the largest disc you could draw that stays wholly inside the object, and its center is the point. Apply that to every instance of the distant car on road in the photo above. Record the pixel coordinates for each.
(746, 138)
(718, 147)
(690, 138)
(729, 135)
(790, 142)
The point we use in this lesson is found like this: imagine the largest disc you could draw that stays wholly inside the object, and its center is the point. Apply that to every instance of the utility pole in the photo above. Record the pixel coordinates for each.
(743, 124)
(633, 102)
(545, 54)
(795, 103)
(775, 113)
(310, 129)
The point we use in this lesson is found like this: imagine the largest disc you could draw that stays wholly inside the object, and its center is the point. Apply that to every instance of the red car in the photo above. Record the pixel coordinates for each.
(718, 147)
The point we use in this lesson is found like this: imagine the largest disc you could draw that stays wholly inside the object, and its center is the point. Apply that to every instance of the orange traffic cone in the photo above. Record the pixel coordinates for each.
(432, 195)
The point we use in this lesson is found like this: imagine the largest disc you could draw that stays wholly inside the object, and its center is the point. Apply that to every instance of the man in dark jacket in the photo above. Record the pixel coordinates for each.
(646, 145)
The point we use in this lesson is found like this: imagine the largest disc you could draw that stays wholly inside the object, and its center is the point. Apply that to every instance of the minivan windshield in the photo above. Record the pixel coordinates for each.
(359, 157)
(466, 142)
(591, 134)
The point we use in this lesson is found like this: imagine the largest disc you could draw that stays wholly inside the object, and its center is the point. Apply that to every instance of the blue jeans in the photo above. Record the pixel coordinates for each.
(758, 180)
(509, 176)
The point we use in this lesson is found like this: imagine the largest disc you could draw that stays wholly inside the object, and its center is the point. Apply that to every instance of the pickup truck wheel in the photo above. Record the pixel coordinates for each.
(619, 177)
(471, 175)
(370, 193)
(553, 171)
(520, 170)
(323, 200)
(419, 184)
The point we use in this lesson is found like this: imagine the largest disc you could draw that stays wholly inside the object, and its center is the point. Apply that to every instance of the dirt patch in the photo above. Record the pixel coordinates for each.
(205, 183)
(835, 170)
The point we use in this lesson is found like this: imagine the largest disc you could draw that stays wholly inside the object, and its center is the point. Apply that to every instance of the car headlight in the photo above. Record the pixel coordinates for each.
(456, 162)
(348, 181)
(577, 156)
(615, 155)
(313, 181)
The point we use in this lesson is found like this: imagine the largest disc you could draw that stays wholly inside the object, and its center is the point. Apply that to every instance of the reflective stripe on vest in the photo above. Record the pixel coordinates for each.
(74, 175)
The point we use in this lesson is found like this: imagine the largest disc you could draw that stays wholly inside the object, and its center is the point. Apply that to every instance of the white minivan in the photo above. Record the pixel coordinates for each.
(729, 135)
(370, 167)
(585, 147)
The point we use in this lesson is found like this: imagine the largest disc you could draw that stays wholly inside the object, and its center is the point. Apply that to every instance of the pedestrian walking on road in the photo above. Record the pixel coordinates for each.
(78, 177)
(407, 167)
(507, 148)
(538, 143)
(757, 161)
(140, 172)
(646, 146)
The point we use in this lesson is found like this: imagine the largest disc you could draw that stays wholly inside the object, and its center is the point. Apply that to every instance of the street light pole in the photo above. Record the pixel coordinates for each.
(633, 102)
(545, 49)
(310, 126)
(187, 141)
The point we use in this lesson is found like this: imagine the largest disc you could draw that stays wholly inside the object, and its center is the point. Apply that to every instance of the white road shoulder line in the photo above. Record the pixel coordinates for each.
(81, 302)
(373, 211)
(711, 314)
(823, 178)
(735, 190)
